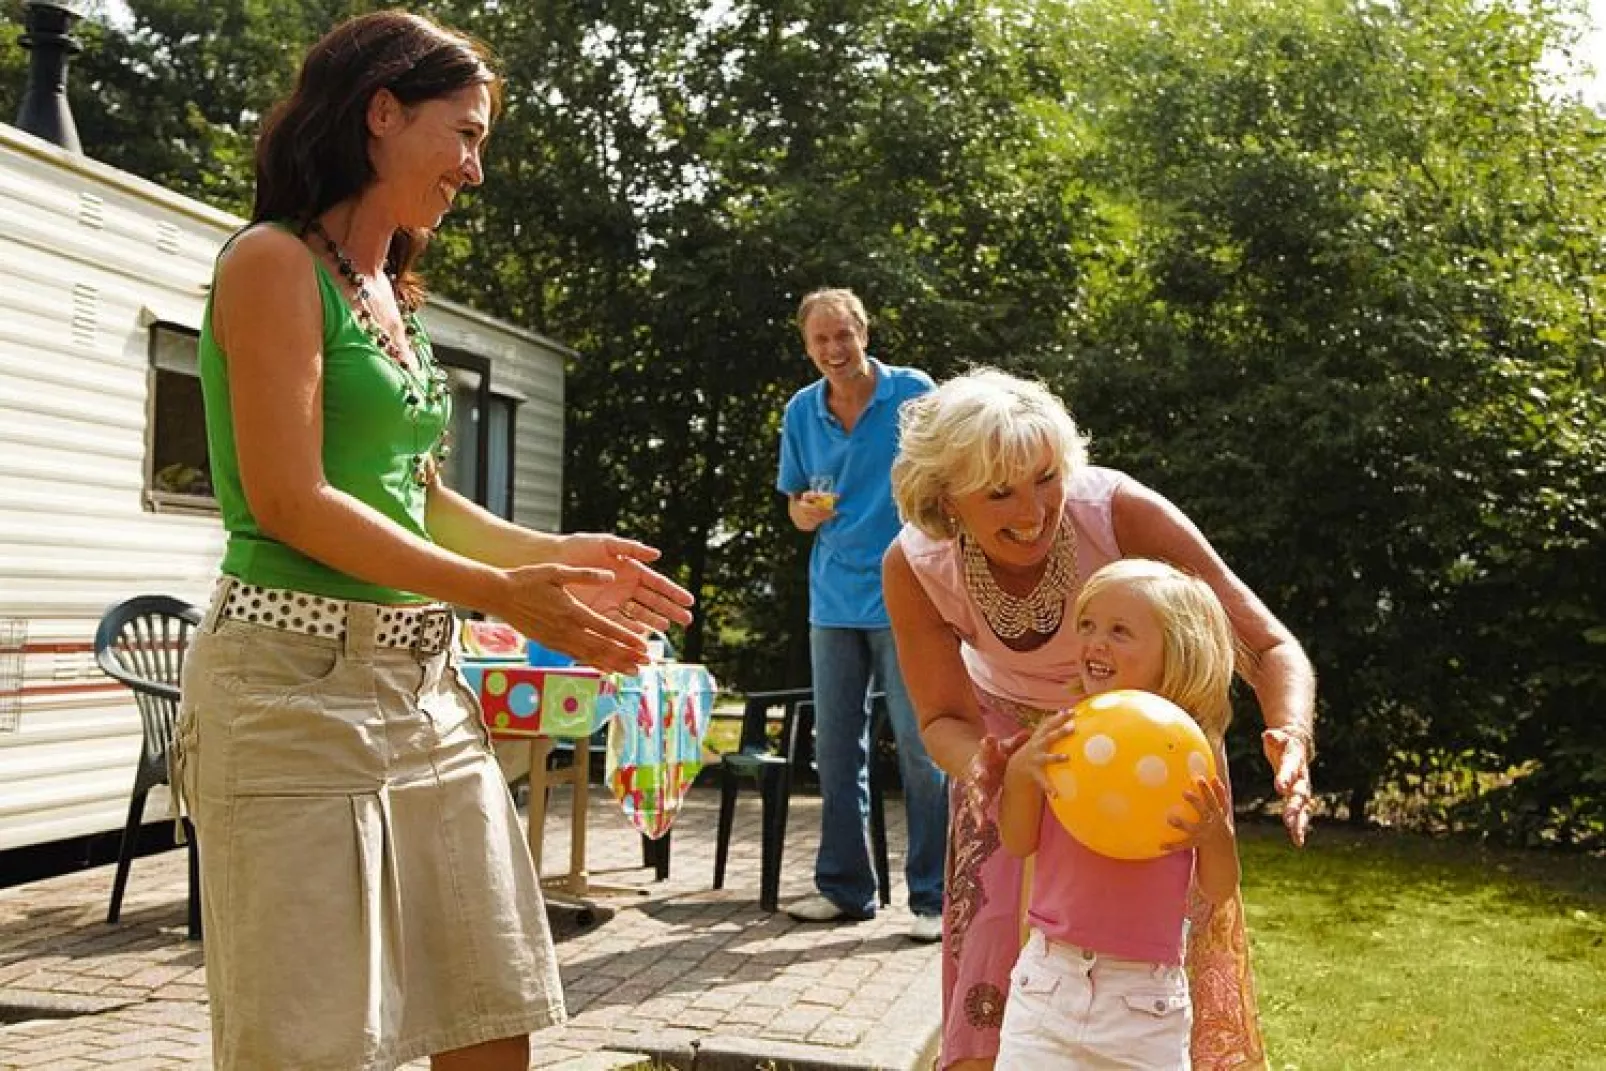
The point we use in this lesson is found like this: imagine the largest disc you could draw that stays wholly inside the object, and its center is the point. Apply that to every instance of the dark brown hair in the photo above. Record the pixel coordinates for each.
(313, 151)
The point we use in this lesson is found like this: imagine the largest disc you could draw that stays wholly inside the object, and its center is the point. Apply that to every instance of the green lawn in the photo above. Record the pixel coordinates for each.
(1397, 951)
(724, 733)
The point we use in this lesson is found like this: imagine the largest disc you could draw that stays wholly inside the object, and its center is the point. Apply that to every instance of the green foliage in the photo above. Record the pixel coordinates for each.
(678, 179)
(13, 61)
(1346, 317)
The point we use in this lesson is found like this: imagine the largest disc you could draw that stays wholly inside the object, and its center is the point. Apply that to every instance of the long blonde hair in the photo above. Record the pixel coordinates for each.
(1199, 648)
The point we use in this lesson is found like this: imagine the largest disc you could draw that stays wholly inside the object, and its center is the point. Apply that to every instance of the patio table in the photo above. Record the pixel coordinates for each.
(656, 721)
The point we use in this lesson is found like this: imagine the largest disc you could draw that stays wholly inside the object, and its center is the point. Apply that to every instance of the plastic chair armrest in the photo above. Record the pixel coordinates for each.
(158, 689)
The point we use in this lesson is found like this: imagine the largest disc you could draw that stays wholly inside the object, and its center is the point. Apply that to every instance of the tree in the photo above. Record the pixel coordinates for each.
(1349, 322)
(690, 176)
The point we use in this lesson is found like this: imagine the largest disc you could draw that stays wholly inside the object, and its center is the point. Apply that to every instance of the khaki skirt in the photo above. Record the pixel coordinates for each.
(367, 893)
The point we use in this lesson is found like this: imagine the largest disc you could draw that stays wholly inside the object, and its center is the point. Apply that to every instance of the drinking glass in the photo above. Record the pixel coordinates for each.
(822, 491)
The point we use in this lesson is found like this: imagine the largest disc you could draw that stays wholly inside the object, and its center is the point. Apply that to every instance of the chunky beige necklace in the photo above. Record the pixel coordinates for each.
(1011, 616)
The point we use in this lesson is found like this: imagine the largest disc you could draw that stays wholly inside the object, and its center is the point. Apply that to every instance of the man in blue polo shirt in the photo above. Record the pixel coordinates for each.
(838, 440)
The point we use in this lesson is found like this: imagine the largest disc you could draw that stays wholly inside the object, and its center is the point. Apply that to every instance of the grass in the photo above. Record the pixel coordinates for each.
(724, 733)
(1385, 950)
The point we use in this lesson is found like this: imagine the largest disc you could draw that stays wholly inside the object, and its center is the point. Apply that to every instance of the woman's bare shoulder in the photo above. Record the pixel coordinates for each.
(262, 251)
(896, 562)
(266, 287)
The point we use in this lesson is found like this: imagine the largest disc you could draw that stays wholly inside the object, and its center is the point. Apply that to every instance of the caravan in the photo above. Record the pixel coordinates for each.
(104, 489)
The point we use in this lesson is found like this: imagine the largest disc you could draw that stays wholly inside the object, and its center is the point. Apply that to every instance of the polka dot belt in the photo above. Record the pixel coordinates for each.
(428, 628)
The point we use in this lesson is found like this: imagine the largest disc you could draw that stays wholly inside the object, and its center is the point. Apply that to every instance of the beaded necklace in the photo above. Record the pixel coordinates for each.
(363, 308)
(1011, 616)
(427, 383)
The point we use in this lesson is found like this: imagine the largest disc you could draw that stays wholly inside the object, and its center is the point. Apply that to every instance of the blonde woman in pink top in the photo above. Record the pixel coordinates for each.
(1005, 517)
(1100, 982)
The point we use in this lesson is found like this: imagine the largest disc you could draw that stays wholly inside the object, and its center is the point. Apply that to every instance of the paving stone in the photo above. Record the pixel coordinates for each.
(722, 999)
(679, 971)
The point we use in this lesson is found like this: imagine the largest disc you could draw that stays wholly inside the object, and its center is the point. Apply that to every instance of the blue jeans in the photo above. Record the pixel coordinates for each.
(845, 659)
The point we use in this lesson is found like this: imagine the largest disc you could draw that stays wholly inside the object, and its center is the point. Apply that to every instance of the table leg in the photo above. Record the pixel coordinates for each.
(566, 890)
(570, 889)
(540, 749)
(579, 883)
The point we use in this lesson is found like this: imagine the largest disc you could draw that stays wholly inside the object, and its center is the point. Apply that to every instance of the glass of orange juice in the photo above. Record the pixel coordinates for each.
(822, 491)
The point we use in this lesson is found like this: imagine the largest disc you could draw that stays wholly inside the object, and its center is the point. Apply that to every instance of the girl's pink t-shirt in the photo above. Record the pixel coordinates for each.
(1129, 909)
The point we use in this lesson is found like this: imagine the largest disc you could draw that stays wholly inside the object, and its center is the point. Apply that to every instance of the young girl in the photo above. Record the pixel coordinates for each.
(1100, 982)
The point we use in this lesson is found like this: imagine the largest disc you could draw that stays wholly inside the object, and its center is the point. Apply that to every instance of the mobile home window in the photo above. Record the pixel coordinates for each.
(480, 465)
(178, 473)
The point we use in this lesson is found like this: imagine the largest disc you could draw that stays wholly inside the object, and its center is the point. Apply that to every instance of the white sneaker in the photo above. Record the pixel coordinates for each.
(926, 929)
(816, 908)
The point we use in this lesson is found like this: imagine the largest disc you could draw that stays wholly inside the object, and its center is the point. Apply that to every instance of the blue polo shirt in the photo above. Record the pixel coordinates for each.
(845, 564)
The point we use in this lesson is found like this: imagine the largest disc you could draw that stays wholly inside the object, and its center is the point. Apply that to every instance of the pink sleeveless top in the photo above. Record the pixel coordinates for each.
(1045, 678)
(1129, 909)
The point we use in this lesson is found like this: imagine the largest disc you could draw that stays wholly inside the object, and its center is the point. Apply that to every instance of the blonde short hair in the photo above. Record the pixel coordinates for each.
(838, 298)
(1199, 647)
(985, 428)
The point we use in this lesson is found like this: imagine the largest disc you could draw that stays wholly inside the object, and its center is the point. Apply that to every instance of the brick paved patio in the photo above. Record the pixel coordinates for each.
(681, 975)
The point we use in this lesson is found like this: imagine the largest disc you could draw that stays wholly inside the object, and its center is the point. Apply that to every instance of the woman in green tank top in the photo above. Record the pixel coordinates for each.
(336, 767)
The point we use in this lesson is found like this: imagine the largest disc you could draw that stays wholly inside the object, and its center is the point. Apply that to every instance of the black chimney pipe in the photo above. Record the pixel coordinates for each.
(49, 40)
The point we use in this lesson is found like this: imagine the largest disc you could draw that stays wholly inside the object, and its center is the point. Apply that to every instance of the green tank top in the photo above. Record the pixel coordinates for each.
(380, 422)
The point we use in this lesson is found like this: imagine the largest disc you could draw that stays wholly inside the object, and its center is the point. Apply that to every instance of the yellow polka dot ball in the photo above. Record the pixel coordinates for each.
(1130, 758)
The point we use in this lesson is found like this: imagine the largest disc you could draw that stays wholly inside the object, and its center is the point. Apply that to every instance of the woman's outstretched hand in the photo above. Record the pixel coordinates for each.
(638, 597)
(598, 603)
(984, 778)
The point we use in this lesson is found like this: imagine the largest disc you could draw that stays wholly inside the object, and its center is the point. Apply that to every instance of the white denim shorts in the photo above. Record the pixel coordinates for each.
(1071, 1007)
(367, 893)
